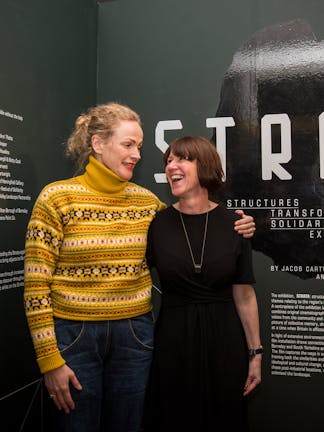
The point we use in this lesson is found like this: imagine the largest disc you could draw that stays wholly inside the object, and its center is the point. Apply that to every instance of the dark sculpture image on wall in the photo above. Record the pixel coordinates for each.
(274, 91)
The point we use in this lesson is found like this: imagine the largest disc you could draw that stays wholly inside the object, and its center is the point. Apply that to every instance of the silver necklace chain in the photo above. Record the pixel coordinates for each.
(197, 266)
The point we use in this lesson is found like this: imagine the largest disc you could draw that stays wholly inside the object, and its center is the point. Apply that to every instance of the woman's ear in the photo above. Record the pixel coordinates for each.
(96, 143)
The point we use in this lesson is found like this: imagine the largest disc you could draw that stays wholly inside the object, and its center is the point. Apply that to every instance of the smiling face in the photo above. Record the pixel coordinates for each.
(182, 176)
(120, 152)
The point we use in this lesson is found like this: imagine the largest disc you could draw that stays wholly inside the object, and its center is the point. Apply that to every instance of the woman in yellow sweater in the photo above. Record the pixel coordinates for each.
(87, 284)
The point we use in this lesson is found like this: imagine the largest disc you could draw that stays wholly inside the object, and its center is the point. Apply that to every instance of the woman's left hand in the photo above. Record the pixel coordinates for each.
(254, 375)
(245, 225)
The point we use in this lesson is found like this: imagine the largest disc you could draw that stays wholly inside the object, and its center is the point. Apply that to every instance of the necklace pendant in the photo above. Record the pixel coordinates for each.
(197, 268)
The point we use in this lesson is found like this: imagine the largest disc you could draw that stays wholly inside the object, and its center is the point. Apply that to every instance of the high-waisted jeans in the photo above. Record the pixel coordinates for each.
(111, 359)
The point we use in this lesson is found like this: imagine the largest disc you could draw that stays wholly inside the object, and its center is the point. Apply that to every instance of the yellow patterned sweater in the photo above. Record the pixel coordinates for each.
(85, 255)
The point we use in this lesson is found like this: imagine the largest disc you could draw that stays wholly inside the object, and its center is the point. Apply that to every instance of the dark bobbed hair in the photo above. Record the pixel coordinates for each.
(209, 167)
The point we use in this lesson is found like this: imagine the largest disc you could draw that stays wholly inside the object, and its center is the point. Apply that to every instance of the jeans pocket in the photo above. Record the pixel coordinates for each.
(142, 329)
(67, 333)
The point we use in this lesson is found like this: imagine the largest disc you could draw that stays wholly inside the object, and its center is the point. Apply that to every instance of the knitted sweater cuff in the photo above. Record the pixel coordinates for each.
(49, 363)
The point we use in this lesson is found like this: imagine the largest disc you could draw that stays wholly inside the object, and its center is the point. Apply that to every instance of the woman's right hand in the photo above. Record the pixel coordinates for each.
(57, 382)
(254, 375)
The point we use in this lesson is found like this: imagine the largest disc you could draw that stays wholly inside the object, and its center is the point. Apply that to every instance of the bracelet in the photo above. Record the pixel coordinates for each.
(254, 351)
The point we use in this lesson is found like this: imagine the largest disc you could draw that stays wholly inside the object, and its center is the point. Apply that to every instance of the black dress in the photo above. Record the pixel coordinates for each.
(200, 359)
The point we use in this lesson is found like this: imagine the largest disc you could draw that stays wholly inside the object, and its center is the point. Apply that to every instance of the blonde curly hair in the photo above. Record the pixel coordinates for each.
(101, 120)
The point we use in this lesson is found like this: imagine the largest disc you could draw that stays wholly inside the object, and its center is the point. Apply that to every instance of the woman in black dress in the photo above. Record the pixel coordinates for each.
(208, 353)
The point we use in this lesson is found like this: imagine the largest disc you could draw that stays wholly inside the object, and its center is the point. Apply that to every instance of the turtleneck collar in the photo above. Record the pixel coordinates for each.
(102, 179)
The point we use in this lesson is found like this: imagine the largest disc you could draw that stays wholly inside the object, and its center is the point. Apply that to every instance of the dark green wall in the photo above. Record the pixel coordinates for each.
(47, 76)
(167, 59)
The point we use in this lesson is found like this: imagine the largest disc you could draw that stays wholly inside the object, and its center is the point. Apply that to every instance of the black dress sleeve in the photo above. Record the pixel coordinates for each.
(244, 271)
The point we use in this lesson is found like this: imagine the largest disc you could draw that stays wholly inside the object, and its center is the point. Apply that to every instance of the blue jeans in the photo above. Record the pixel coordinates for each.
(111, 359)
